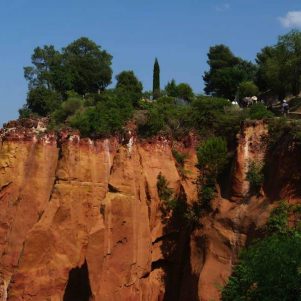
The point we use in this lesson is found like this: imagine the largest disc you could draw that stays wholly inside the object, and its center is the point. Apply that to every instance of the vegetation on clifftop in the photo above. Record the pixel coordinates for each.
(71, 86)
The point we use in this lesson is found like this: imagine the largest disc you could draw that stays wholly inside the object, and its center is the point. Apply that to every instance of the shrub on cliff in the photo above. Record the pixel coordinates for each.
(216, 116)
(212, 158)
(180, 162)
(259, 111)
(255, 176)
(165, 117)
(107, 117)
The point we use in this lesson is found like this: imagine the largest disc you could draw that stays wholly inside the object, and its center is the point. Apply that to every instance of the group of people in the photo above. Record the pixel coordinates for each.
(248, 101)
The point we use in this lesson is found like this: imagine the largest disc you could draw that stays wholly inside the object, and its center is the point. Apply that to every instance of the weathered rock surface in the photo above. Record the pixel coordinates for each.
(82, 219)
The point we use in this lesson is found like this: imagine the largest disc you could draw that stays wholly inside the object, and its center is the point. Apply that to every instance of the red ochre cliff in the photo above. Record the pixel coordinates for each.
(81, 219)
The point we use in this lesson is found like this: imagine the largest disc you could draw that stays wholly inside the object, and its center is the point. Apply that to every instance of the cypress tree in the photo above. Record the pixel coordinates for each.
(156, 80)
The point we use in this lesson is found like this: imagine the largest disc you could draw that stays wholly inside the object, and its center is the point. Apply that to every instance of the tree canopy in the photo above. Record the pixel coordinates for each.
(182, 90)
(88, 65)
(226, 72)
(279, 66)
(82, 67)
(127, 83)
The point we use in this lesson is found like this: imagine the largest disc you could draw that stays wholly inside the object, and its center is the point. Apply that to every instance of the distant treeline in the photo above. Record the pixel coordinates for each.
(71, 87)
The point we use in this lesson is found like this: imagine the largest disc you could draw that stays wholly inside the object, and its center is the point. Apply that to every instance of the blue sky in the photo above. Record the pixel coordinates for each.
(178, 32)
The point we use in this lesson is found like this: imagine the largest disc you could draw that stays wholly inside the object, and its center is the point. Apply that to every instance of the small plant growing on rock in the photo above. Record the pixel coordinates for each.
(255, 176)
(180, 159)
(165, 193)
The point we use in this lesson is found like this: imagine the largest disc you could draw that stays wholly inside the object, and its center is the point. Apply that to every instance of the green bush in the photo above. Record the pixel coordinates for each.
(216, 116)
(207, 194)
(270, 268)
(165, 193)
(212, 159)
(278, 221)
(180, 157)
(212, 156)
(107, 117)
(259, 111)
(176, 204)
(67, 108)
(25, 112)
(165, 117)
(255, 176)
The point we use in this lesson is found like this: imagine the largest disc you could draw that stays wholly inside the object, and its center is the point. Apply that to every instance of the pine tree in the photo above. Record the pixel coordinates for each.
(156, 80)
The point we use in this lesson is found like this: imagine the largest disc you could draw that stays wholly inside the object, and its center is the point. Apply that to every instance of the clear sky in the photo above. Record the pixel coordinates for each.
(178, 32)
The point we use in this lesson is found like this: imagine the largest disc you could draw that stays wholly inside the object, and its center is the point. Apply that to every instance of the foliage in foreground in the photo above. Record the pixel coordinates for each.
(271, 268)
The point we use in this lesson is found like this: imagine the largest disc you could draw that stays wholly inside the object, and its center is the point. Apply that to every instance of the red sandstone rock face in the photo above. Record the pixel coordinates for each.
(82, 219)
(84, 207)
(251, 148)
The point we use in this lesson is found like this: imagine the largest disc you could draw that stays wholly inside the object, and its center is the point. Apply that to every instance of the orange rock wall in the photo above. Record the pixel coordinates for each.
(79, 202)
(74, 209)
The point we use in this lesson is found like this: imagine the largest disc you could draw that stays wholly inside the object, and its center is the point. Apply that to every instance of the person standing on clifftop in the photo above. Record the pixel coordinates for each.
(285, 108)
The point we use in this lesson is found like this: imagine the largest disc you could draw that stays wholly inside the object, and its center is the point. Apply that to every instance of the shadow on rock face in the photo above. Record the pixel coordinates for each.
(78, 286)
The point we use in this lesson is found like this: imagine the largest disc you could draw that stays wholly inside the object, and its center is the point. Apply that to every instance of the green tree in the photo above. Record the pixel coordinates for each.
(47, 70)
(88, 65)
(129, 85)
(171, 88)
(247, 88)
(279, 66)
(184, 91)
(42, 101)
(226, 72)
(156, 80)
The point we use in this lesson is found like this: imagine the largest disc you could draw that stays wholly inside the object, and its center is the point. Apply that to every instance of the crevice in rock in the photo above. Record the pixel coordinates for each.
(113, 189)
(4, 189)
(168, 236)
(161, 263)
(78, 287)
(4, 186)
(59, 157)
(102, 210)
(59, 144)
(147, 192)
